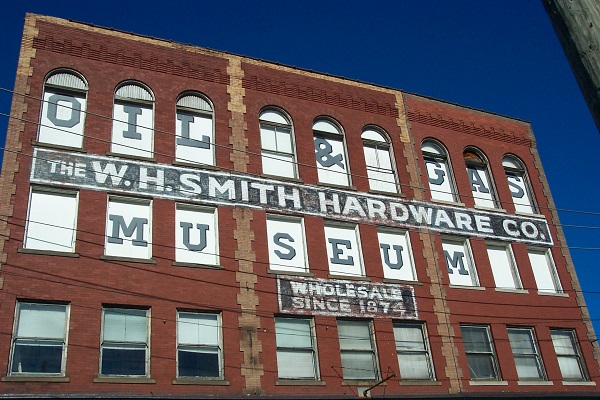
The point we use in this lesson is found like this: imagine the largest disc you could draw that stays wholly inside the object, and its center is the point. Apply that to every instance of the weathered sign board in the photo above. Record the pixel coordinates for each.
(340, 298)
(203, 186)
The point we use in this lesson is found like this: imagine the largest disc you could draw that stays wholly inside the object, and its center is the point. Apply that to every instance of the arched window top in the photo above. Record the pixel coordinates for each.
(326, 125)
(432, 147)
(374, 135)
(194, 102)
(512, 162)
(274, 116)
(133, 91)
(474, 156)
(67, 80)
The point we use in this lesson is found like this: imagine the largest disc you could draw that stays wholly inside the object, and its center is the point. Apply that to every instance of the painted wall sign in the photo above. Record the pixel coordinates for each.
(340, 298)
(220, 188)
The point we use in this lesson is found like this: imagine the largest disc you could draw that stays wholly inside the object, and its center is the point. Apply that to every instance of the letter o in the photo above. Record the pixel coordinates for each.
(530, 230)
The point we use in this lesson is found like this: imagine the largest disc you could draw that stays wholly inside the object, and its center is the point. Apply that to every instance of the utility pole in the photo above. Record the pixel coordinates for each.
(577, 25)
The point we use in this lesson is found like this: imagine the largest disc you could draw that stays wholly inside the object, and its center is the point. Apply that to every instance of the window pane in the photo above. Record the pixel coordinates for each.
(414, 366)
(123, 325)
(198, 362)
(570, 368)
(42, 321)
(279, 164)
(267, 137)
(527, 367)
(371, 156)
(563, 342)
(481, 366)
(476, 339)
(409, 338)
(37, 357)
(51, 221)
(358, 365)
(521, 341)
(293, 333)
(354, 335)
(295, 364)
(198, 329)
(123, 360)
(284, 140)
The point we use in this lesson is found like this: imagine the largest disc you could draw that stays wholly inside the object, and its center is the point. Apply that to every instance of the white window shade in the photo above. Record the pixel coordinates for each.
(343, 251)
(196, 329)
(503, 267)
(42, 321)
(51, 222)
(396, 256)
(196, 236)
(62, 119)
(133, 129)
(544, 271)
(287, 249)
(125, 325)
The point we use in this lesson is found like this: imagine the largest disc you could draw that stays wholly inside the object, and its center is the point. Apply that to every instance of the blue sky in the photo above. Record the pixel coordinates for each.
(497, 55)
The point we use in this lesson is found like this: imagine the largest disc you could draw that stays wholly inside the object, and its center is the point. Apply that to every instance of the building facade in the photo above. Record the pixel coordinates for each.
(182, 222)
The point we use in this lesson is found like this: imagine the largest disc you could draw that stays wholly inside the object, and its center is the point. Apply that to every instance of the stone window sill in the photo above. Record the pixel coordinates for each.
(578, 383)
(129, 259)
(195, 165)
(299, 382)
(419, 383)
(131, 157)
(47, 252)
(467, 287)
(199, 266)
(32, 378)
(535, 383)
(124, 379)
(200, 381)
(59, 147)
(290, 273)
(488, 383)
(349, 277)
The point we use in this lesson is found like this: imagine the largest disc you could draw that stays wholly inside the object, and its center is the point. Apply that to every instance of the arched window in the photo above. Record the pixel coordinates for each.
(478, 171)
(63, 110)
(379, 160)
(330, 152)
(439, 173)
(518, 182)
(194, 129)
(133, 120)
(277, 143)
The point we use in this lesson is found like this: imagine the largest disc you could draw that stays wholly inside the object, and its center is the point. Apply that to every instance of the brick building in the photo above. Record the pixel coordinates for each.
(182, 222)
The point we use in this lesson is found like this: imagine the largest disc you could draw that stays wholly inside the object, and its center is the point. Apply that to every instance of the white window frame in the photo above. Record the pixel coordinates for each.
(468, 262)
(504, 267)
(568, 354)
(482, 166)
(394, 237)
(209, 255)
(124, 345)
(546, 275)
(534, 354)
(346, 254)
(409, 353)
(325, 128)
(66, 134)
(514, 169)
(109, 248)
(354, 373)
(283, 368)
(51, 222)
(193, 148)
(278, 264)
(435, 153)
(201, 346)
(489, 353)
(279, 121)
(376, 139)
(41, 340)
(143, 147)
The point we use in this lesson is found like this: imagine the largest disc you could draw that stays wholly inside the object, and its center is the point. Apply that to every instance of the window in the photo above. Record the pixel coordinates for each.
(379, 160)
(568, 354)
(396, 256)
(461, 268)
(39, 344)
(63, 110)
(133, 121)
(544, 271)
(128, 228)
(330, 152)
(277, 141)
(124, 347)
(343, 251)
(503, 265)
(478, 171)
(439, 173)
(196, 235)
(525, 352)
(518, 183)
(481, 357)
(359, 359)
(51, 220)
(413, 351)
(296, 349)
(199, 348)
(194, 130)
(287, 248)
